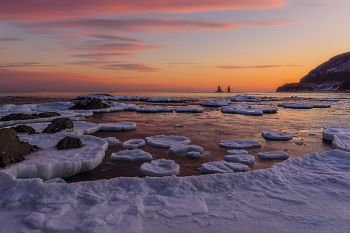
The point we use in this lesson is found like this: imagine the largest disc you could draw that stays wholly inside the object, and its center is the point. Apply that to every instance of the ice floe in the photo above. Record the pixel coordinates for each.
(273, 155)
(342, 142)
(274, 135)
(216, 103)
(49, 162)
(237, 152)
(166, 141)
(222, 167)
(132, 155)
(188, 150)
(240, 158)
(160, 167)
(240, 144)
(296, 105)
(329, 132)
(133, 143)
(162, 100)
(190, 109)
(117, 126)
(112, 140)
(247, 109)
(155, 109)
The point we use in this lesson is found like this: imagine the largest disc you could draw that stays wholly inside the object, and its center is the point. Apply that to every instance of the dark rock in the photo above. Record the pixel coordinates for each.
(12, 150)
(24, 129)
(331, 76)
(69, 143)
(89, 104)
(58, 125)
(48, 114)
(19, 116)
(219, 89)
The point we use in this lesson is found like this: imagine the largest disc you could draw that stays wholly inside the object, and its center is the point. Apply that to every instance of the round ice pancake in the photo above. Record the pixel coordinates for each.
(182, 149)
(273, 155)
(240, 158)
(236, 152)
(240, 144)
(132, 155)
(274, 135)
(160, 167)
(166, 141)
(133, 143)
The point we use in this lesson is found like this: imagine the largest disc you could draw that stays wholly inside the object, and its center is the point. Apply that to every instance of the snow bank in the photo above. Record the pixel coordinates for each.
(49, 162)
(132, 155)
(166, 141)
(277, 136)
(160, 167)
(240, 144)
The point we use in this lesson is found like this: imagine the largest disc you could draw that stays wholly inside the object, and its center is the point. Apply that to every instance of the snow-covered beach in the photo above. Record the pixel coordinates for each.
(306, 193)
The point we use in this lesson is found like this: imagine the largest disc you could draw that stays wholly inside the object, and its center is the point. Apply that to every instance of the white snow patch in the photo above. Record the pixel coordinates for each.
(240, 144)
(166, 141)
(273, 135)
(160, 167)
(132, 155)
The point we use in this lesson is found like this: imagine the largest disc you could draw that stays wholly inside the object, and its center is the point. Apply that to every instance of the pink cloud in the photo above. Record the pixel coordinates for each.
(248, 67)
(25, 81)
(102, 56)
(21, 64)
(130, 66)
(53, 9)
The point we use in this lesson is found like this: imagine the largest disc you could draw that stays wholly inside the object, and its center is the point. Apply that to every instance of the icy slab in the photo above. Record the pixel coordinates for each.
(321, 105)
(247, 111)
(274, 135)
(162, 100)
(166, 141)
(217, 103)
(160, 167)
(120, 126)
(326, 99)
(236, 152)
(112, 140)
(341, 142)
(222, 167)
(133, 143)
(240, 158)
(240, 144)
(190, 109)
(182, 149)
(264, 109)
(297, 105)
(273, 155)
(329, 132)
(49, 162)
(155, 109)
(132, 155)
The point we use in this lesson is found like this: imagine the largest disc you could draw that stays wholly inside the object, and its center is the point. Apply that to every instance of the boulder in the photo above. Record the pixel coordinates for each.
(19, 116)
(24, 129)
(48, 114)
(12, 149)
(58, 125)
(89, 104)
(69, 143)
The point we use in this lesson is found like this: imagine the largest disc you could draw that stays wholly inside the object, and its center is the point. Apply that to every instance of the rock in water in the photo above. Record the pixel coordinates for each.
(48, 114)
(89, 104)
(331, 76)
(19, 116)
(24, 129)
(58, 125)
(69, 143)
(219, 89)
(12, 149)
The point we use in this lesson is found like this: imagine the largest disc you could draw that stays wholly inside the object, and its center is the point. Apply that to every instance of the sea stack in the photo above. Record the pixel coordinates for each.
(228, 89)
(219, 90)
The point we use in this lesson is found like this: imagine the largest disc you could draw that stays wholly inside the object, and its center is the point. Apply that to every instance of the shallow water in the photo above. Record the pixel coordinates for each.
(207, 129)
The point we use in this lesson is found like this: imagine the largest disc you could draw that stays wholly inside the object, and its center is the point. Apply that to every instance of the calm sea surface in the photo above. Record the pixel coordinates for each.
(207, 129)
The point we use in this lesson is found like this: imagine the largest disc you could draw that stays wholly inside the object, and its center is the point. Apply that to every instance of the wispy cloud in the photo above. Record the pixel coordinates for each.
(183, 63)
(247, 67)
(53, 9)
(131, 77)
(21, 64)
(130, 66)
(102, 56)
(9, 39)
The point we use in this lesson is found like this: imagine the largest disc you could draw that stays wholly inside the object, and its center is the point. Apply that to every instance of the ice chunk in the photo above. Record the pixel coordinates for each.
(216, 103)
(182, 149)
(132, 155)
(237, 152)
(273, 155)
(240, 144)
(264, 109)
(329, 132)
(166, 141)
(222, 167)
(297, 105)
(194, 154)
(273, 135)
(341, 142)
(133, 143)
(322, 105)
(247, 111)
(49, 162)
(162, 100)
(190, 109)
(120, 126)
(240, 158)
(160, 167)
(112, 140)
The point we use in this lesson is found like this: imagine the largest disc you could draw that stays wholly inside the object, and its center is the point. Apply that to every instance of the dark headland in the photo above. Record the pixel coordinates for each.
(330, 76)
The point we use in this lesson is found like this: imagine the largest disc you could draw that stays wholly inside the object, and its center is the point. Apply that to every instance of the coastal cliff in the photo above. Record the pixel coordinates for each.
(331, 76)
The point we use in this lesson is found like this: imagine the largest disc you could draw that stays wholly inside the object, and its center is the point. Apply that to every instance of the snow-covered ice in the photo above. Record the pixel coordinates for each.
(132, 155)
(222, 167)
(120, 126)
(49, 162)
(160, 167)
(112, 140)
(274, 135)
(329, 132)
(342, 142)
(240, 158)
(182, 149)
(240, 144)
(190, 109)
(216, 103)
(133, 143)
(166, 141)
(273, 155)
(236, 152)
(162, 99)
(297, 105)
(247, 111)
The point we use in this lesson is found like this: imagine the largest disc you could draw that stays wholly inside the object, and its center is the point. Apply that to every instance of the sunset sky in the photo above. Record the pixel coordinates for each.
(166, 45)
